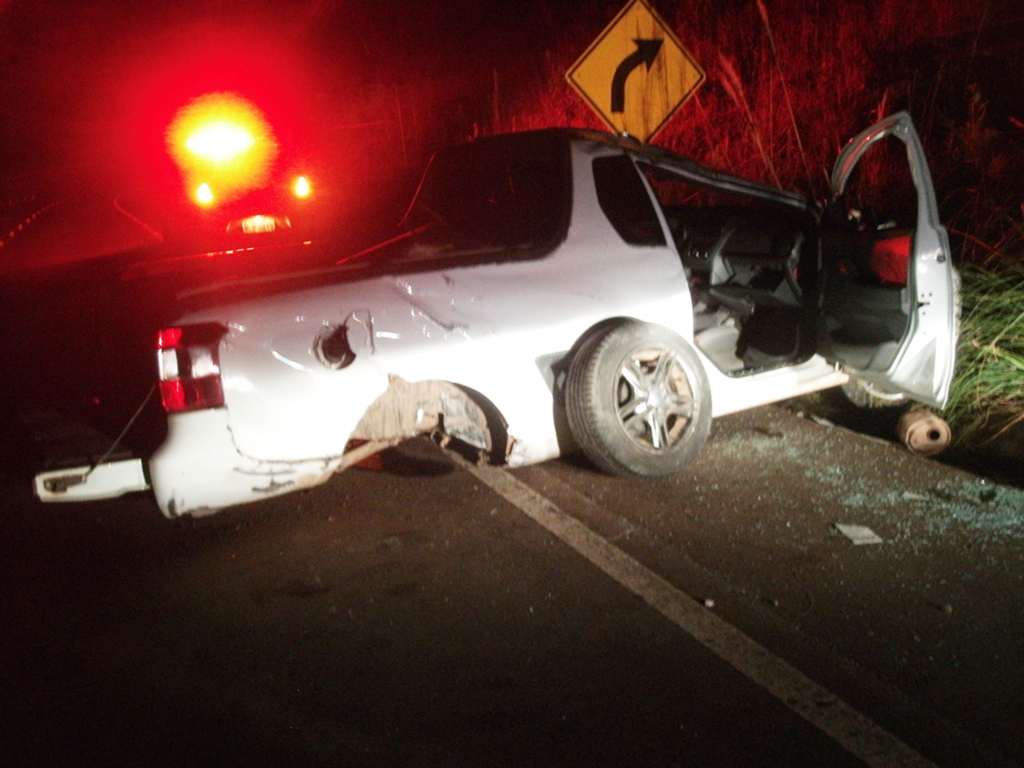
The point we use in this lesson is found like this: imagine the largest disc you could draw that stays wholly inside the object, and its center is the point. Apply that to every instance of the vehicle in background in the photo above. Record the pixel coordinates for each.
(239, 186)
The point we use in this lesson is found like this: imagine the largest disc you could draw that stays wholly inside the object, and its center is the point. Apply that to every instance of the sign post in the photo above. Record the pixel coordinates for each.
(636, 74)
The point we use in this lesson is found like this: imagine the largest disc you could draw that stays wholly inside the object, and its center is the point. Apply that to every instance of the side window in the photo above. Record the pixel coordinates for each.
(625, 201)
(880, 191)
(702, 219)
(507, 192)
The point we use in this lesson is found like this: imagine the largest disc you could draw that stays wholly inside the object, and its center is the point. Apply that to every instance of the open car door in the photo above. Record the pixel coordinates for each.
(889, 293)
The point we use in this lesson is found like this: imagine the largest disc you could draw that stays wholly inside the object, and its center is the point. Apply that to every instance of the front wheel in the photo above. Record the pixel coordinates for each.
(638, 400)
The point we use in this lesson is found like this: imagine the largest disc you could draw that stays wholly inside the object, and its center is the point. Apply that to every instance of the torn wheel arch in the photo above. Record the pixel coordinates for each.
(460, 418)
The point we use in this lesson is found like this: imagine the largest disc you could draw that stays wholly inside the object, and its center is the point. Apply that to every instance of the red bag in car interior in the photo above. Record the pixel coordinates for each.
(890, 259)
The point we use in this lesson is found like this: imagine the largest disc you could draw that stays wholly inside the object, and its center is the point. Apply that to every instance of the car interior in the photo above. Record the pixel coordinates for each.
(868, 297)
(745, 269)
(766, 296)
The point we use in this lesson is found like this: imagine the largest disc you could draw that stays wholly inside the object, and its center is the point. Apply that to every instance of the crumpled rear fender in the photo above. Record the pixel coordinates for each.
(199, 470)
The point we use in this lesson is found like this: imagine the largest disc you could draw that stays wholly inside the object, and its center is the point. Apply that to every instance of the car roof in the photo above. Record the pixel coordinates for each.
(662, 157)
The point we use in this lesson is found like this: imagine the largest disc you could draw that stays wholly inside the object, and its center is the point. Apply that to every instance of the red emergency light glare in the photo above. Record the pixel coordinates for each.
(224, 141)
(220, 141)
(301, 187)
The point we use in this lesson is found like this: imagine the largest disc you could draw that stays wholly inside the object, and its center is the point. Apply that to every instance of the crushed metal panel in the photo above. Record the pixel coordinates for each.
(408, 409)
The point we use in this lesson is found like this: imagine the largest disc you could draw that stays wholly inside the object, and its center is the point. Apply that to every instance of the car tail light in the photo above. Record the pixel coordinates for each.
(189, 368)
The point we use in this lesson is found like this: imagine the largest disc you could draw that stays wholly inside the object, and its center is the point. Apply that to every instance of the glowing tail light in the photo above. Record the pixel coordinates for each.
(189, 368)
(204, 194)
(301, 187)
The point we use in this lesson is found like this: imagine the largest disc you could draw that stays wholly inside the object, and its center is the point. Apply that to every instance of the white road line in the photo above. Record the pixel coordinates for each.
(152, 231)
(830, 714)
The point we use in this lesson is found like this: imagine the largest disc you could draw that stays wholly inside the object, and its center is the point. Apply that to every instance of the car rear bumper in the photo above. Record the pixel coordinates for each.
(103, 481)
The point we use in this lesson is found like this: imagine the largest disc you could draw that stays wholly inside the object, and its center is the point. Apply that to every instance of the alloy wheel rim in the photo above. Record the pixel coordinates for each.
(654, 399)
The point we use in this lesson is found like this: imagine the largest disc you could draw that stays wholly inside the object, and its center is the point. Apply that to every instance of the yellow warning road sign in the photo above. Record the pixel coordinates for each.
(637, 73)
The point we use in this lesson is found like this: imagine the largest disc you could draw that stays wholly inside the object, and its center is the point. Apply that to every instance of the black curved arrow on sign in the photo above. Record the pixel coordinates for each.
(646, 52)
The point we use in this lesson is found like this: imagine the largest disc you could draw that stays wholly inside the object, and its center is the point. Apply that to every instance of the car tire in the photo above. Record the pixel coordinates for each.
(638, 400)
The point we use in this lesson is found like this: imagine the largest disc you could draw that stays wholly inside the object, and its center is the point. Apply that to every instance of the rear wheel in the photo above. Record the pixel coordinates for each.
(638, 400)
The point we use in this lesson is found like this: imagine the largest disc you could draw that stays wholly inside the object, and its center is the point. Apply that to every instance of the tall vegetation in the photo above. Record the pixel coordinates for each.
(988, 399)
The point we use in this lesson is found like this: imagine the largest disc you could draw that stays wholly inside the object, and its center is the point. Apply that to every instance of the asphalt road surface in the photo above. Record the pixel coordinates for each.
(419, 612)
(416, 611)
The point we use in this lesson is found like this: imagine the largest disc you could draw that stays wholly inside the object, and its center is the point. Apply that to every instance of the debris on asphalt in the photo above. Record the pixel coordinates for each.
(911, 496)
(859, 534)
(946, 608)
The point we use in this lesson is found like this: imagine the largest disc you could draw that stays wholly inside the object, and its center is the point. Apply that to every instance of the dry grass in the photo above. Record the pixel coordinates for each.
(788, 82)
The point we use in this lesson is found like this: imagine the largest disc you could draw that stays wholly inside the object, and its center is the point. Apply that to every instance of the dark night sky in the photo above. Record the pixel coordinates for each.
(87, 86)
(84, 85)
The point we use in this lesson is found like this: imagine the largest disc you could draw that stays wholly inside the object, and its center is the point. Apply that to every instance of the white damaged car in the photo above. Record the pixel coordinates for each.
(551, 291)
